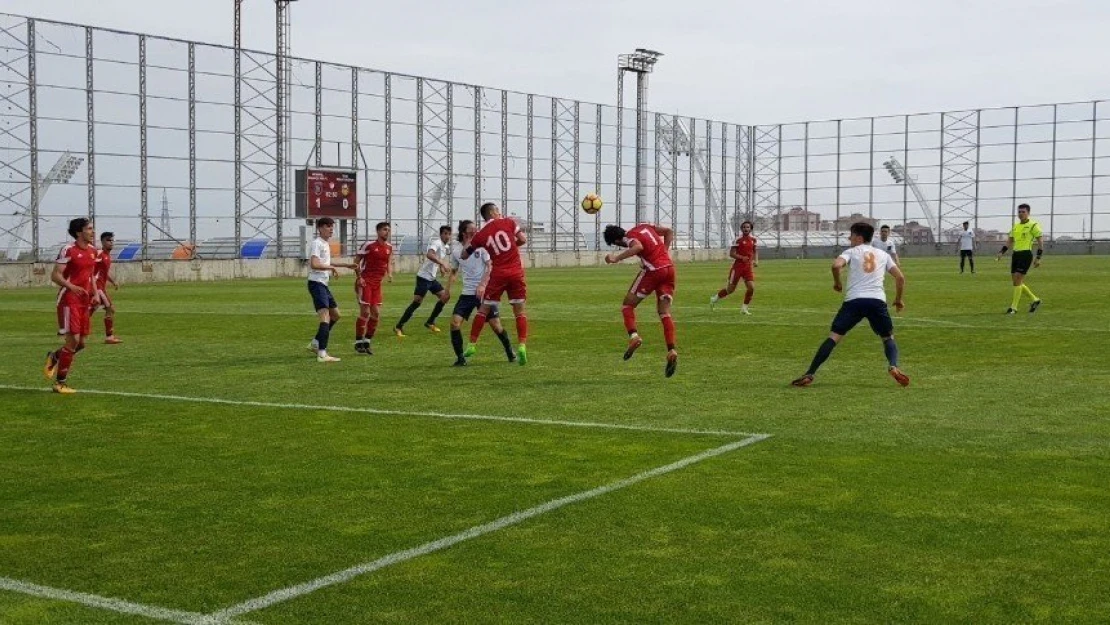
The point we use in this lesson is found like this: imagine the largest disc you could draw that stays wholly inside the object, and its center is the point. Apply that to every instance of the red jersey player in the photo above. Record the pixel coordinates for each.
(73, 273)
(746, 256)
(657, 275)
(374, 261)
(503, 239)
(102, 278)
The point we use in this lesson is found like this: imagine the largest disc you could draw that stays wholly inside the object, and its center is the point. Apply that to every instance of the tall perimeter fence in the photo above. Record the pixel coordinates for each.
(177, 145)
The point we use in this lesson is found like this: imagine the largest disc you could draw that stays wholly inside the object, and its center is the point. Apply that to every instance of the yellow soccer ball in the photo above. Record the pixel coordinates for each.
(592, 203)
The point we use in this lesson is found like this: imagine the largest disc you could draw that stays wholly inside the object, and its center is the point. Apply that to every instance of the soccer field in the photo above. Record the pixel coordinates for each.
(210, 470)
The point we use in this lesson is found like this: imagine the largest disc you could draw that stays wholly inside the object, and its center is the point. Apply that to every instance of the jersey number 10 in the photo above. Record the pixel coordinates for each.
(499, 242)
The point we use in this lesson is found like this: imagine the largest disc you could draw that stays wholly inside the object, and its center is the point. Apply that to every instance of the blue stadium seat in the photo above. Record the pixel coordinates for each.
(129, 252)
(253, 249)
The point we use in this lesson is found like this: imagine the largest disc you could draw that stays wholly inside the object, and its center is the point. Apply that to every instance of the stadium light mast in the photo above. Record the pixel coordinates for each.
(898, 173)
(641, 62)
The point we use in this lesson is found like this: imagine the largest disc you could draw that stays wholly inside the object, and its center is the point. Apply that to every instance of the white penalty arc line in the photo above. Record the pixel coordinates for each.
(391, 412)
(292, 592)
(109, 603)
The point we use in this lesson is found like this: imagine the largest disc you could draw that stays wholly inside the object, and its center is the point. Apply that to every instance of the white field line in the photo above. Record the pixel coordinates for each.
(390, 412)
(339, 577)
(109, 603)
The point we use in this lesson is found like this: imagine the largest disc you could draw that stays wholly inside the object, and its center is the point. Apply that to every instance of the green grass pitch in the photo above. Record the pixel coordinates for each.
(980, 494)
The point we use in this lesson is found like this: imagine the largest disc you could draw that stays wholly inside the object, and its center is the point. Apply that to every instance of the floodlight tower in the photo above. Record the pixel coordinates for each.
(897, 171)
(61, 173)
(642, 61)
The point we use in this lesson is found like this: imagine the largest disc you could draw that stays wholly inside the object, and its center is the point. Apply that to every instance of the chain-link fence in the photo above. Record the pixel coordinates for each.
(174, 146)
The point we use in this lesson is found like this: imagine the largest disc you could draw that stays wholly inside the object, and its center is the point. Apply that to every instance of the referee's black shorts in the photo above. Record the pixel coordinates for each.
(1021, 261)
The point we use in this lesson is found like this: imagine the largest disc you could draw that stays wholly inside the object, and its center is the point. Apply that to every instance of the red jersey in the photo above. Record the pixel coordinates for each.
(655, 254)
(373, 260)
(80, 267)
(499, 237)
(103, 265)
(745, 246)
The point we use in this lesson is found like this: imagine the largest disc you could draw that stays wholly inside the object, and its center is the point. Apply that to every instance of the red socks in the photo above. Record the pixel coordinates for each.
(748, 296)
(65, 360)
(629, 314)
(109, 326)
(521, 329)
(479, 323)
(722, 294)
(360, 327)
(668, 331)
(371, 327)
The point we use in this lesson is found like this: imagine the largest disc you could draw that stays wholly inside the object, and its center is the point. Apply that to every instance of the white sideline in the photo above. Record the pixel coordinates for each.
(345, 575)
(390, 412)
(109, 603)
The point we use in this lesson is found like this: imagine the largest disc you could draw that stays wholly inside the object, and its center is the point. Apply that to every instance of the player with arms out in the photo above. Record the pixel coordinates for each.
(102, 280)
(435, 258)
(502, 238)
(375, 262)
(74, 272)
(321, 269)
(475, 272)
(864, 299)
(657, 275)
(745, 255)
(1022, 236)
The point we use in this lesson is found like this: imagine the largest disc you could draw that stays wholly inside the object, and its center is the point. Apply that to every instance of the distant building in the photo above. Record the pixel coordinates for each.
(843, 224)
(798, 218)
(915, 233)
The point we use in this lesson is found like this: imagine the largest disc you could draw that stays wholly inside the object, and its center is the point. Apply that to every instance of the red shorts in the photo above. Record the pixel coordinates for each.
(513, 285)
(73, 318)
(740, 271)
(369, 294)
(659, 281)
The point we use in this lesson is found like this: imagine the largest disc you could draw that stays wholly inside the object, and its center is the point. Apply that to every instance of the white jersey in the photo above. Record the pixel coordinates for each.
(430, 270)
(321, 249)
(867, 267)
(473, 269)
(887, 246)
(967, 239)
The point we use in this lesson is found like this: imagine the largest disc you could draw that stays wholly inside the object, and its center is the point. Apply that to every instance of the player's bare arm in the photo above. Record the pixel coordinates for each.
(837, 265)
(1040, 251)
(899, 286)
(667, 234)
(755, 257)
(634, 248)
(734, 253)
(58, 278)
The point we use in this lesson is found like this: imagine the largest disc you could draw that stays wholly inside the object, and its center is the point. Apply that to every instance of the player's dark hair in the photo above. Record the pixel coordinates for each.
(462, 228)
(325, 221)
(967, 223)
(750, 224)
(885, 227)
(382, 224)
(77, 225)
(1025, 206)
(864, 230)
(443, 229)
(486, 209)
(107, 235)
(613, 234)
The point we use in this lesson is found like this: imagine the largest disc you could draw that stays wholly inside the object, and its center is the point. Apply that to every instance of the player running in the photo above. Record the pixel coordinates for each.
(865, 299)
(1022, 235)
(745, 255)
(435, 258)
(475, 275)
(102, 279)
(657, 275)
(73, 273)
(503, 239)
(375, 262)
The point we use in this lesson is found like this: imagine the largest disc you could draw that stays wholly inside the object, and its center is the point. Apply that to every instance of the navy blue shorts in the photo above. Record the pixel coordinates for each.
(467, 304)
(321, 295)
(424, 285)
(853, 311)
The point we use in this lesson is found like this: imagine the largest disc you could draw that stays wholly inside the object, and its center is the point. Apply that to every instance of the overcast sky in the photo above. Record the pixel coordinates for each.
(736, 61)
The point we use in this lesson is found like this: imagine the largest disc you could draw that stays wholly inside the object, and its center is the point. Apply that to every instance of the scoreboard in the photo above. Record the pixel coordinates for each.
(327, 193)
